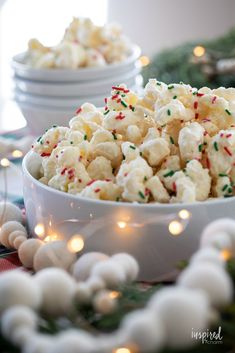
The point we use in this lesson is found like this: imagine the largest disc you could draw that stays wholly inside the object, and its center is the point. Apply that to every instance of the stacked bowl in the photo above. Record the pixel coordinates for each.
(51, 96)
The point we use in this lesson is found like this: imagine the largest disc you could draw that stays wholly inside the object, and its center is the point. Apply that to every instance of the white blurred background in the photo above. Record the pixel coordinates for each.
(153, 24)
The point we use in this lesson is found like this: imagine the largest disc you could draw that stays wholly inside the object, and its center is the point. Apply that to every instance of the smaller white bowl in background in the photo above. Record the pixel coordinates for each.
(73, 75)
(111, 227)
(80, 89)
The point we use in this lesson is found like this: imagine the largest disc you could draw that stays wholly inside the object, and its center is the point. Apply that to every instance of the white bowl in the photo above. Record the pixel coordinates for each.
(145, 236)
(40, 118)
(70, 75)
(80, 89)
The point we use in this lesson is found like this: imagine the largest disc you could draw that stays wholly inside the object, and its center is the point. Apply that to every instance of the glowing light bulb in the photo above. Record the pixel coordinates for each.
(114, 294)
(175, 228)
(144, 60)
(17, 154)
(226, 254)
(76, 243)
(39, 230)
(199, 51)
(122, 350)
(5, 162)
(121, 224)
(184, 214)
(51, 237)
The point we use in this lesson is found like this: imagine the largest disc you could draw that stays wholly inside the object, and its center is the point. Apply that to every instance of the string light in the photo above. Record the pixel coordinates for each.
(184, 214)
(5, 162)
(175, 227)
(39, 230)
(199, 51)
(76, 243)
(51, 237)
(122, 350)
(144, 60)
(121, 224)
(17, 154)
(114, 294)
(226, 254)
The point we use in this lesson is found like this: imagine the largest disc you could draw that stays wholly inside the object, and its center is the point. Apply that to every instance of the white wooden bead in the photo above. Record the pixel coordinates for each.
(95, 283)
(110, 271)
(10, 212)
(27, 250)
(39, 343)
(53, 254)
(58, 289)
(211, 255)
(15, 318)
(83, 266)
(73, 341)
(224, 225)
(7, 228)
(18, 288)
(210, 278)
(83, 293)
(19, 241)
(145, 329)
(14, 235)
(180, 310)
(104, 303)
(129, 264)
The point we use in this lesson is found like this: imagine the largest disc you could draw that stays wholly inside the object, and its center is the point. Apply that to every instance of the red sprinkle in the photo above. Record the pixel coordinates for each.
(125, 174)
(221, 134)
(174, 187)
(121, 89)
(78, 110)
(208, 164)
(147, 192)
(115, 96)
(97, 190)
(119, 100)
(206, 120)
(91, 182)
(120, 116)
(228, 135)
(106, 108)
(108, 180)
(213, 99)
(63, 171)
(228, 151)
(196, 116)
(205, 133)
(106, 100)
(79, 180)
(200, 94)
(47, 142)
(45, 154)
(195, 105)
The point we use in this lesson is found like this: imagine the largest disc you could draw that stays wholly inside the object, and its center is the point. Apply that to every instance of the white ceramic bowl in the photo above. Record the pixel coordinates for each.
(80, 89)
(145, 236)
(70, 75)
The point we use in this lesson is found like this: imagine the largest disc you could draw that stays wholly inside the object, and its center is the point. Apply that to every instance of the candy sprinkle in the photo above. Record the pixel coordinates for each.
(132, 147)
(170, 173)
(228, 151)
(141, 195)
(228, 112)
(78, 110)
(172, 140)
(85, 137)
(106, 112)
(222, 175)
(213, 100)
(168, 112)
(97, 190)
(200, 147)
(171, 87)
(215, 144)
(195, 105)
(224, 187)
(124, 104)
(114, 136)
(174, 97)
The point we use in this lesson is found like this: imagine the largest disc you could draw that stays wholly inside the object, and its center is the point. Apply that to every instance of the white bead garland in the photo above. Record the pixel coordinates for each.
(10, 212)
(7, 228)
(27, 251)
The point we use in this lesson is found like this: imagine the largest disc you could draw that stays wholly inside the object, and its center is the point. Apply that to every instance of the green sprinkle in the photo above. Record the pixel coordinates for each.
(114, 136)
(123, 156)
(41, 142)
(230, 190)
(200, 147)
(215, 144)
(159, 83)
(170, 173)
(124, 103)
(145, 178)
(172, 140)
(71, 142)
(106, 112)
(54, 125)
(117, 199)
(228, 112)
(168, 112)
(174, 97)
(222, 175)
(170, 87)
(194, 93)
(141, 154)
(132, 147)
(141, 195)
(224, 187)
(38, 140)
(181, 83)
(85, 137)
(123, 95)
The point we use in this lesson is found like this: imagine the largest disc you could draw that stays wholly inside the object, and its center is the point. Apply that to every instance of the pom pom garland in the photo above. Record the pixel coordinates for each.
(7, 228)
(83, 266)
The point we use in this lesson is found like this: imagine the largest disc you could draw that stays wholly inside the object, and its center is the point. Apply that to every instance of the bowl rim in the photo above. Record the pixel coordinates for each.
(17, 64)
(131, 205)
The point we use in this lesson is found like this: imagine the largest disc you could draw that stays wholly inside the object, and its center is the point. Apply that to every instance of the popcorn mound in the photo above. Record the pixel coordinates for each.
(173, 144)
(83, 45)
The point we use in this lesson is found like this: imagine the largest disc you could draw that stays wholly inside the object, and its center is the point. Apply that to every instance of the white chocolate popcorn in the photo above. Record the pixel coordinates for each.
(200, 178)
(191, 140)
(134, 150)
(157, 190)
(155, 151)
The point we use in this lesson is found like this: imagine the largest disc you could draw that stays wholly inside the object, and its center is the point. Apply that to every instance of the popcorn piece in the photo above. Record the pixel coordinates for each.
(155, 151)
(102, 190)
(200, 178)
(109, 150)
(191, 140)
(174, 110)
(159, 193)
(48, 141)
(100, 168)
(69, 55)
(130, 151)
(133, 134)
(185, 190)
(223, 187)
